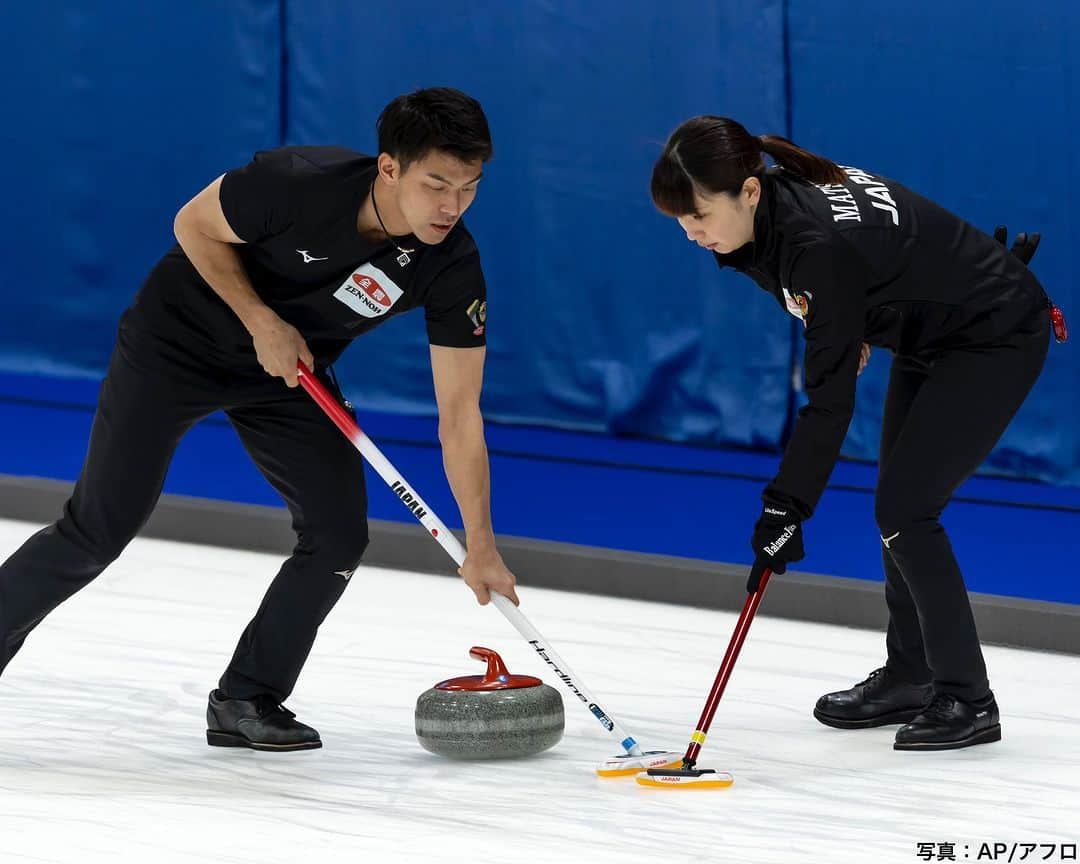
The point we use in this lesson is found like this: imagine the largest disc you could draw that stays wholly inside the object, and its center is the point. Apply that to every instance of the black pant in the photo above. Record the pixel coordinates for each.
(153, 393)
(943, 416)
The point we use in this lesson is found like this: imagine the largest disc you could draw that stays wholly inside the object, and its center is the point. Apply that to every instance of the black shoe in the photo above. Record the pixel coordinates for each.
(878, 701)
(258, 723)
(948, 723)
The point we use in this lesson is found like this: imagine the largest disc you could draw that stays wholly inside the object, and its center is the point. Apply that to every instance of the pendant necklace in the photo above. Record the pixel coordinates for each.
(403, 258)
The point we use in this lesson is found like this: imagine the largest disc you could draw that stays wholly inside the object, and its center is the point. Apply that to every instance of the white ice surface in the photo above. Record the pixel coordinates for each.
(103, 756)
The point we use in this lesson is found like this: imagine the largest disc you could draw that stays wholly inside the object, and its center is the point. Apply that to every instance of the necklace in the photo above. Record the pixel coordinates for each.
(403, 258)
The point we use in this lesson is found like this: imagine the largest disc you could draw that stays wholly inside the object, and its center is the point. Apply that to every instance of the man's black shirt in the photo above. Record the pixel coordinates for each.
(296, 209)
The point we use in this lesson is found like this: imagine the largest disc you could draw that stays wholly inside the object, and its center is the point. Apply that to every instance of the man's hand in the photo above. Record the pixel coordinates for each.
(278, 345)
(1024, 245)
(458, 374)
(485, 572)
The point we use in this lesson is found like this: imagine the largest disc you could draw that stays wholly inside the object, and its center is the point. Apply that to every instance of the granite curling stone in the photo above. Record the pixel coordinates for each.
(491, 716)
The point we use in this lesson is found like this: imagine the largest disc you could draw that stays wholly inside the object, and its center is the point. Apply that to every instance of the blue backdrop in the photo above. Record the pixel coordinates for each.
(113, 117)
(975, 104)
(602, 316)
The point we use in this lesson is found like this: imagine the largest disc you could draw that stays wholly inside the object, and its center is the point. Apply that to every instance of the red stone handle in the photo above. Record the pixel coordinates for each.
(495, 678)
(496, 669)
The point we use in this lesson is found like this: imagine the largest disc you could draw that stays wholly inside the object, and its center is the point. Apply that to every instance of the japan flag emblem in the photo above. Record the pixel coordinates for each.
(798, 304)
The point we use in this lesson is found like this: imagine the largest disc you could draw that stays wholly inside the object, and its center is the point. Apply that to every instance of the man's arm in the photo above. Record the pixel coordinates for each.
(458, 374)
(207, 239)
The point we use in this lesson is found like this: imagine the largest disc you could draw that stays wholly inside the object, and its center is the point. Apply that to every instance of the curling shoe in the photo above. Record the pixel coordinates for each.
(879, 700)
(259, 724)
(948, 723)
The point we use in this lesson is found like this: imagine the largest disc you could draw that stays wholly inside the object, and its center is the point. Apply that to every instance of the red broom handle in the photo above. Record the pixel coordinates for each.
(726, 667)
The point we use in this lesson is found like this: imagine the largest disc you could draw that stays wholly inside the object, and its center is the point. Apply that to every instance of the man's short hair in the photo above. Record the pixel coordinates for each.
(437, 118)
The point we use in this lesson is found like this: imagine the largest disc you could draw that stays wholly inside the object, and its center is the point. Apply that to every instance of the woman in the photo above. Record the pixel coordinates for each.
(863, 261)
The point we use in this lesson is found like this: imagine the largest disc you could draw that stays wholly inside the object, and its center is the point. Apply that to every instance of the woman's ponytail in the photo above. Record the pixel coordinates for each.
(809, 166)
(716, 155)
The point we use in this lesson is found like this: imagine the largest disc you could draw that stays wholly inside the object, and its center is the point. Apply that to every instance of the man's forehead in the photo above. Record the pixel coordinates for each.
(445, 167)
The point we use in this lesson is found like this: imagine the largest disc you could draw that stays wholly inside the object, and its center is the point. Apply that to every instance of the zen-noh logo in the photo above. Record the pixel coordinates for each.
(373, 289)
(368, 291)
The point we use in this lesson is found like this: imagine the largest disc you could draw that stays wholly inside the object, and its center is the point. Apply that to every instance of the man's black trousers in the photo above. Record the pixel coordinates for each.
(155, 391)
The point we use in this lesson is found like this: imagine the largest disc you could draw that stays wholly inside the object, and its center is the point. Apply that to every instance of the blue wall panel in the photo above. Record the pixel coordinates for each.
(114, 114)
(601, 315)
(973, 103)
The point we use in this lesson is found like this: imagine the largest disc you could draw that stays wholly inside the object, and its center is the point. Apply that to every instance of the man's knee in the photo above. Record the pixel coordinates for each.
(350, 546)
(340, 545)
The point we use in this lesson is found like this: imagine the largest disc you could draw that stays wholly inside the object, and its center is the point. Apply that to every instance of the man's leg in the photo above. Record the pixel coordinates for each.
(140, 418)
(321, 477)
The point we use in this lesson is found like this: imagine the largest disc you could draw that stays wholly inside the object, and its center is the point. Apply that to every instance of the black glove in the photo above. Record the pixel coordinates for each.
(1024, 245)
(777, 542)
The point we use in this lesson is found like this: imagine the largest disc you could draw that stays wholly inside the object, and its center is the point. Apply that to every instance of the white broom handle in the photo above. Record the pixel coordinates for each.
(562, 671)
(434, 525)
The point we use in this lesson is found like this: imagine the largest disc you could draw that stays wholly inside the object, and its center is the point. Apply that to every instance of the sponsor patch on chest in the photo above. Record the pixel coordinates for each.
(368, 291)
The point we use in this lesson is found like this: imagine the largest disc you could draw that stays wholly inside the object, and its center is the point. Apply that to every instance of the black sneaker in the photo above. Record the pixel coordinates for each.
(877, 701)
(948, 724)
(259, 723)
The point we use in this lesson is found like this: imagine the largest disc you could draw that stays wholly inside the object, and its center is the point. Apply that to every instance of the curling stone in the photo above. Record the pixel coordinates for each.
(491, 716)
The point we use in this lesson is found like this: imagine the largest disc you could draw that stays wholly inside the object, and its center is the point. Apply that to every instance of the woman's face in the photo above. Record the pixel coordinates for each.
(723, 222)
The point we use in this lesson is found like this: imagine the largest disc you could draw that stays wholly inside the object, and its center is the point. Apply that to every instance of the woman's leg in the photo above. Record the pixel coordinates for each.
(956, 418)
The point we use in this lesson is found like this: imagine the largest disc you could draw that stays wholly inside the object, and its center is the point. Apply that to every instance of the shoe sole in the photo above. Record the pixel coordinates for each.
(891, 719)
(227, 739)
(986, 736)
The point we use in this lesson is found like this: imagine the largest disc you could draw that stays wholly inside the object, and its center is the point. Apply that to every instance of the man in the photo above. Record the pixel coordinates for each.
(287, 259)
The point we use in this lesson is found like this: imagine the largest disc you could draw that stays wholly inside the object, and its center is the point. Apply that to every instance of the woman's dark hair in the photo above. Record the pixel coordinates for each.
(438, 118)
(715, 154)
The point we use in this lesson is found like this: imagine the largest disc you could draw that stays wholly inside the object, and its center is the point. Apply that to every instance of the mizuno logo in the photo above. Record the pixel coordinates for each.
(345, 574)
(309, 258)
(888, 540)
